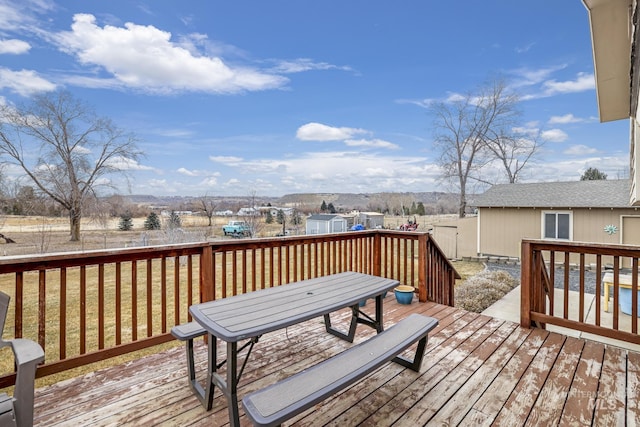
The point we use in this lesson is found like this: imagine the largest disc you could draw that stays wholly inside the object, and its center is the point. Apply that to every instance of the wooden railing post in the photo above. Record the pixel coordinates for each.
(377, 254)
(525, 285)
(423, 253)
(207, 293)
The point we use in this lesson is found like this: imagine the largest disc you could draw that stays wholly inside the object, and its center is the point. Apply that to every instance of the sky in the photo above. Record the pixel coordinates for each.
(266, 98)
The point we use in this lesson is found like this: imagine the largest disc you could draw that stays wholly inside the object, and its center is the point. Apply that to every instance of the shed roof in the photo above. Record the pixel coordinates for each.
(324, 217)
(569, 194)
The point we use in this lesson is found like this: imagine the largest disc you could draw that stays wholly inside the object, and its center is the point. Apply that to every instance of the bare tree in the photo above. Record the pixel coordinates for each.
(463, 128)
(77, 149)
(209, 207)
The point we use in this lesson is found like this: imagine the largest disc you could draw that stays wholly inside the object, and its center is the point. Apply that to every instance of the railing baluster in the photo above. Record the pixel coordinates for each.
(63, 314)
(83, 309)
(134, 300)
(163, 293)
(101, 314)
(176, 290)
(149, 297)
(118, 297)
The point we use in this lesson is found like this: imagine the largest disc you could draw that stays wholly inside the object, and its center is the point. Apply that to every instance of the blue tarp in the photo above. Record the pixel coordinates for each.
(357, 227)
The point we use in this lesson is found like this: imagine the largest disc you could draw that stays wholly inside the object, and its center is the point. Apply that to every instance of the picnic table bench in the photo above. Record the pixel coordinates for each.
(278, 402)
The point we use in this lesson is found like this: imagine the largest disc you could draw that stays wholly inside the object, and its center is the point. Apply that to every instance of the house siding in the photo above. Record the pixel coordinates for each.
(502, 229)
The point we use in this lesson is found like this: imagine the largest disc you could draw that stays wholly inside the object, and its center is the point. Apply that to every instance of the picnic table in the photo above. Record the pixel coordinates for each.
(248, 316)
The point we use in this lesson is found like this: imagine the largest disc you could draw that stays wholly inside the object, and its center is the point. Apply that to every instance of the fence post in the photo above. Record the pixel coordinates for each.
(377, 253)
(423, 253)
(207, 292)
(525, 285)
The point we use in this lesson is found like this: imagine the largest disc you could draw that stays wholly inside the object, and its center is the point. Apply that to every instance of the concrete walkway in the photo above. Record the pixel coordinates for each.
(508, 308)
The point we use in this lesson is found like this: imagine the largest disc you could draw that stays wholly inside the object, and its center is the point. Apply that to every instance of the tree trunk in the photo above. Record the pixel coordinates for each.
(74, 224)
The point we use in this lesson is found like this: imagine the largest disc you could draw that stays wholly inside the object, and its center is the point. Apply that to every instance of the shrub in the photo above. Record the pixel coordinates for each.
(478, 292)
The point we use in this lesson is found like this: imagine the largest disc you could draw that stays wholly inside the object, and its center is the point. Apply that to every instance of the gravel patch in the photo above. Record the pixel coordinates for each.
(574, 277)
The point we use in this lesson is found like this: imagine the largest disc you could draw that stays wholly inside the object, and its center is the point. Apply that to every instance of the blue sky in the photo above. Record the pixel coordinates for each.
(287, 96)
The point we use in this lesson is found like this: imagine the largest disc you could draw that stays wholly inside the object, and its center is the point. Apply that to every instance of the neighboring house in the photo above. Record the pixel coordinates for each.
(615, 42)
(286, 211)
(371, 220)
(248, 212)
(326, 223)
(576, 211)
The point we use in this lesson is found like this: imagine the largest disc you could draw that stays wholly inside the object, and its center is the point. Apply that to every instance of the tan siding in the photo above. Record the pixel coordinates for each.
(457, 238)
(502, 229)
(631, 230)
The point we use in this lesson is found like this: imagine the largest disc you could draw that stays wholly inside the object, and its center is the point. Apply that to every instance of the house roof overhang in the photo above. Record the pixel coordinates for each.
(611, 32)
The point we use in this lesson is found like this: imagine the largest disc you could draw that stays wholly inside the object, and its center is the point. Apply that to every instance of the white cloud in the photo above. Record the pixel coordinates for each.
(567, 118)
(378, 143)
(124, 163)
(531, 77)
(579, 150)
(24, 82)
(324, 171)
(211, 181)
(526, 48)
(209, 176)
(14, 47)
(319, 132)
(225, 159)
(305, 64)
(554, 135)
(15, 15)
(145, 58)
(583, 82)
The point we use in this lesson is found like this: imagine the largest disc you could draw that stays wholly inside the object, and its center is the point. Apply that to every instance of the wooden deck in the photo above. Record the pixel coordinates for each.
(477, 370)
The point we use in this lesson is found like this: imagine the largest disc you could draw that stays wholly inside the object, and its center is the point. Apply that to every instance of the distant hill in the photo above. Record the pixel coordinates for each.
(366, 201)
(344, 202)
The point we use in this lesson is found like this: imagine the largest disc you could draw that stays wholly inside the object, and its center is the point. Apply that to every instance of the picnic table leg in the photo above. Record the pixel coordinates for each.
(232, 383)
(206, 398)
(378, 321)
(350, 335)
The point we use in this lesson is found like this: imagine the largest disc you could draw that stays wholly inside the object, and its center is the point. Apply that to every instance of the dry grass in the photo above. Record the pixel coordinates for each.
(478, 292)
(467, 269)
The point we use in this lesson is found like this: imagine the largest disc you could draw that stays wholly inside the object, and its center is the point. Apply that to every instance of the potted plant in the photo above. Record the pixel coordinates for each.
(404, 294)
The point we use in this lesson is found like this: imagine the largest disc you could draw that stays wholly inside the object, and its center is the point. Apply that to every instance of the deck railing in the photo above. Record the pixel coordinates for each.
(83, 307)
(563, 284)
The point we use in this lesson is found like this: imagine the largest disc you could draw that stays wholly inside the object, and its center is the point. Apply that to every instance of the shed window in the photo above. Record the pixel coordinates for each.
(557, 225)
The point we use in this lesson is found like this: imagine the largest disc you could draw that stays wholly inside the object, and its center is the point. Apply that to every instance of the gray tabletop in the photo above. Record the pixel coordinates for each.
(252, 314)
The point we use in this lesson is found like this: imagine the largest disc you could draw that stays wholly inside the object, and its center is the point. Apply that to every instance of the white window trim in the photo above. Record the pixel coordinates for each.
(542, 224)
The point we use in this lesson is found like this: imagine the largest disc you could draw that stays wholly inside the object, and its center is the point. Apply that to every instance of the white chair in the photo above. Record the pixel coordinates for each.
(18, 410)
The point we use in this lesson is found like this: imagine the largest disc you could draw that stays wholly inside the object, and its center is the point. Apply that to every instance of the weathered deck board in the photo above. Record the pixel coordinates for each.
(476, 371)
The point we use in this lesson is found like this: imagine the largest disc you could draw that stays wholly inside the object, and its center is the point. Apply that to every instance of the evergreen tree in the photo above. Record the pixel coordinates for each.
(331, 208)
(174, 220)
(280, 218)
(268, 218)
(152, 222)
(413, 208)
(420, 210)
(126, 222)
(593, 174)
(296, 219)
(323, 206)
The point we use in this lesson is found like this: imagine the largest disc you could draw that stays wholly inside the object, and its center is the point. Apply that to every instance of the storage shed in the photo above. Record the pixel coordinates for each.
(326, 223)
